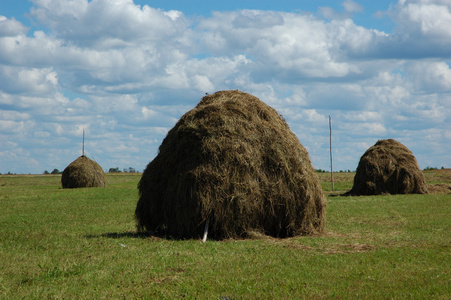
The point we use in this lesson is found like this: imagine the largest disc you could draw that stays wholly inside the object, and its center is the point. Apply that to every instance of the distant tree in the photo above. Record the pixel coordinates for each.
(55, 171)
(114, 170)
(131, 170)
(46, 172)
(430, 168)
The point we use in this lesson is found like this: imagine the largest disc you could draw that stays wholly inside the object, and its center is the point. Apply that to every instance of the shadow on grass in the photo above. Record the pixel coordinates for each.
(154, 236)
(132, 234)
(119, 235)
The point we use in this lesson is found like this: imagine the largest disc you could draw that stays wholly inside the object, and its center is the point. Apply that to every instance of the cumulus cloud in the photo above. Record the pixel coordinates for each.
(11, 27)
(30, 81)
(352, 7)
(97, 22)
(126, 73)
(431, 19)
(289, 46)
(422, 31)
(431, 76)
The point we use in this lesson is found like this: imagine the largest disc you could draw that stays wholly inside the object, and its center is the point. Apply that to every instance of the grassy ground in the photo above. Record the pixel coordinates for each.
(80, 243)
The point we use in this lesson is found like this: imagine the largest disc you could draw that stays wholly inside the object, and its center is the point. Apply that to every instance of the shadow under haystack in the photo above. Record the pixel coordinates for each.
(234, 162)
(83, 172)
(388, 167)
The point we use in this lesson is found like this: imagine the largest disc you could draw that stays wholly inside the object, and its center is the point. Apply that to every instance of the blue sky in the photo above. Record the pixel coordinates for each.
(125, 71)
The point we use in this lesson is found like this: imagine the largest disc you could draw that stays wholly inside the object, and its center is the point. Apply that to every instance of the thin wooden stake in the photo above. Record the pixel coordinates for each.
(204, 239)
(83, 147)
(330, 142)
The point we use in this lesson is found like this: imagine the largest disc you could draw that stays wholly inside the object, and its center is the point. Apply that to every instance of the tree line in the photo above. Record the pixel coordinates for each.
(111, 170)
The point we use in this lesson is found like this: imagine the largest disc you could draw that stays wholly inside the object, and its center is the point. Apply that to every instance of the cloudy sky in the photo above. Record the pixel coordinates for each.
(125, 71)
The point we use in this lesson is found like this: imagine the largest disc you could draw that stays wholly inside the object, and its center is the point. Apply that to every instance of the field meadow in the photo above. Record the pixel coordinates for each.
(82, 244)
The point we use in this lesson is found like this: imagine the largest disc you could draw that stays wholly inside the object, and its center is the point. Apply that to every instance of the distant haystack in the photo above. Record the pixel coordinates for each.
(231, 161)
(388, 167)
(83, 172)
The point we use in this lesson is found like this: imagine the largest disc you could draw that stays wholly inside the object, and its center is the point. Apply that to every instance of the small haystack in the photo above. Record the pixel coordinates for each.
(233, 162)
(83, 172)
(388, 167)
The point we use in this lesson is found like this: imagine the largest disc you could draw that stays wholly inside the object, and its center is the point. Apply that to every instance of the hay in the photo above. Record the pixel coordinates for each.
(388, 167)
(83, 172)
(439, 188)
(232, 160)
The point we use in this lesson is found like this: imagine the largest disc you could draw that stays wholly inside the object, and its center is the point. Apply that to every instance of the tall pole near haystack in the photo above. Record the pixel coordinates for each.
(83, 147)
(330, 143)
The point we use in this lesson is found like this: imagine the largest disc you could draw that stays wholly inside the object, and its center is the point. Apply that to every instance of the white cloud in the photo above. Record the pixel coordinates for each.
(11, 27)
(367, 129)
(352, 7)
(148, 113)
(31, 81)
(19, 127)
(433, 76)
(92, 22)
(203, 83)
(289, 45)
(425, 18)
(363, 116)
(7, 125)
(422, 31)
(13, 115)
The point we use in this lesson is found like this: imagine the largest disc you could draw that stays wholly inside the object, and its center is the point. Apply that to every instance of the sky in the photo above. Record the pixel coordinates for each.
(125, 71)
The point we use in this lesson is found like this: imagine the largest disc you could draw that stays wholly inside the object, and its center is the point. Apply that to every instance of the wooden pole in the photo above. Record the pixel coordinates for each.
(330, 142)
(83, 147)
(204, 239)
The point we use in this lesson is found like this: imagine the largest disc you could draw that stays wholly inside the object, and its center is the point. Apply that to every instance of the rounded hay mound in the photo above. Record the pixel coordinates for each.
(234, 162)
(388, 167)
(83, 172)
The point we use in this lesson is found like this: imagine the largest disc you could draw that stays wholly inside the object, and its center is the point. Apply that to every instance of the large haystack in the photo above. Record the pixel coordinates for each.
(234, 162)
(388, 167)
(83, 172)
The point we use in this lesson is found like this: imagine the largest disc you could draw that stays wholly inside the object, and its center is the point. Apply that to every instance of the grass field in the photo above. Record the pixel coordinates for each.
(80, 244)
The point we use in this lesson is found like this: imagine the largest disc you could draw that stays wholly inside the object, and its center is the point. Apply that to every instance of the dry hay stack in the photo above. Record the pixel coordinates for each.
(388, 167)
(234, 162)
(83, 172)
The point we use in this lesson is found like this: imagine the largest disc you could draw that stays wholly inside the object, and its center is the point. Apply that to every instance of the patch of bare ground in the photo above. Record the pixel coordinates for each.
(154, 238)
(161, 279)
(350, 248)
(334, 248)
(174, 274)
(295, 243)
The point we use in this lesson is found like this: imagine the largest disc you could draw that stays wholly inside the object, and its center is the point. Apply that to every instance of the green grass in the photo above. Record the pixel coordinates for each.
(80, 244)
